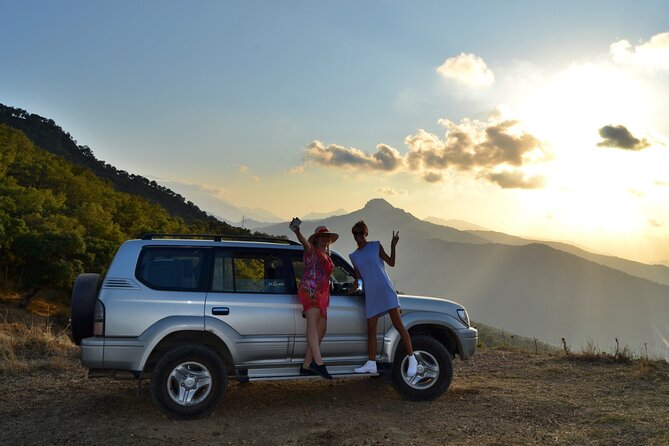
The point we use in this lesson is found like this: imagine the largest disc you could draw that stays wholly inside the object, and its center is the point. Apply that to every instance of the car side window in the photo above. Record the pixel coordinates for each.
(248, 271)
(342, 279)
(171, 268)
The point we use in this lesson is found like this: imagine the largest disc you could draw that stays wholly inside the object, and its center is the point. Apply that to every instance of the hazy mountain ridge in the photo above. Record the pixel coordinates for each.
(655, 273)
(462, 225)
(382, 218)
(530, 288)
(536, 290)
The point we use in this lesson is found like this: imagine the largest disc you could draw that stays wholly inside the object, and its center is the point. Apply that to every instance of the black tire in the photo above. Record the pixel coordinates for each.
(189, 382)
(435, 370)
(84, 294)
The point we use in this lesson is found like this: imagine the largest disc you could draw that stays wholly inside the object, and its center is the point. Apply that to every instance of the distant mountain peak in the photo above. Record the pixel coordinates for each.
(378, 203)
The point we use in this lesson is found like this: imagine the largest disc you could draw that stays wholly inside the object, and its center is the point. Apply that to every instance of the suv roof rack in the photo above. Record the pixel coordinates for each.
(220, 237)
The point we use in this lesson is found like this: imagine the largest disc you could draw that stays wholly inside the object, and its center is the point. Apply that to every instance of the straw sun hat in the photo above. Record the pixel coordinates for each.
(323, 230)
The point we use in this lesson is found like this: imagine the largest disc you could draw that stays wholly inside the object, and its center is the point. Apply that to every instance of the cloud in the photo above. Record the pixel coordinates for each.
(246, 171)
(467, 69)
(385, 158)
(386, 190)
(496, 150)
(475, 144)
(617, 136)
(433, 177)
(297, 170)
(653, 54)
(515, 179)
(636, 192)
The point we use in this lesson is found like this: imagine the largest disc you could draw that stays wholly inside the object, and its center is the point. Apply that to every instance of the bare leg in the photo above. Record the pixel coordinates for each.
(314, 336)
(371, 337)
(399, 326)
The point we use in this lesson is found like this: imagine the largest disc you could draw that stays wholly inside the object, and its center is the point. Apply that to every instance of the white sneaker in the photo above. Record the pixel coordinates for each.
(413, 365)
(369, 367)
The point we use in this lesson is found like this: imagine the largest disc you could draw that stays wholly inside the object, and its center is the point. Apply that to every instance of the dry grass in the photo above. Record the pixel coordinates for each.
(29, 341)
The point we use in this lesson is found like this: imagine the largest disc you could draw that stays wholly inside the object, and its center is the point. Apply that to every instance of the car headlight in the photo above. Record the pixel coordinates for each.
(464, 317)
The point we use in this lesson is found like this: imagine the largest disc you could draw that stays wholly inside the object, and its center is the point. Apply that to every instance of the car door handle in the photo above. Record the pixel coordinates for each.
(220, 311)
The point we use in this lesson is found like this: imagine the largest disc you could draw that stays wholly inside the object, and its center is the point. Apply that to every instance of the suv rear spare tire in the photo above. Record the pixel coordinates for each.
(84, 293)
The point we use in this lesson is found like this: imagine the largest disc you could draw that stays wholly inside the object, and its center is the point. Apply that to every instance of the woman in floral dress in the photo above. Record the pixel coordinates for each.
(314, 293)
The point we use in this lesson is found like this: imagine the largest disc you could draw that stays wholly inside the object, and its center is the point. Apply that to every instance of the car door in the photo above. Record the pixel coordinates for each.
(345, 340)
(250, 294)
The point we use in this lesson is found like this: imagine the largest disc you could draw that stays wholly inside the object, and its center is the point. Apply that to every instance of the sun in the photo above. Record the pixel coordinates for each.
(572, 105)
(590, 189)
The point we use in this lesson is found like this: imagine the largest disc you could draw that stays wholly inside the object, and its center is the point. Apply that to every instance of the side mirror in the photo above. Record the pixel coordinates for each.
(360, 291)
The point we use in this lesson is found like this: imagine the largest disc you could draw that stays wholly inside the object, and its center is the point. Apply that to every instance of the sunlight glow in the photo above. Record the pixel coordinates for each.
(592, 188)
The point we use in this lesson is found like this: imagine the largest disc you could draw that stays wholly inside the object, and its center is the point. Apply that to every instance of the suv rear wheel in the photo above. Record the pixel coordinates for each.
(189, 381)
(434, 372)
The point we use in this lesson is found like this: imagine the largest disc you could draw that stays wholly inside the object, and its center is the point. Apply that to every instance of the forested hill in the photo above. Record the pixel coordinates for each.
(47, 135)
(59, 219)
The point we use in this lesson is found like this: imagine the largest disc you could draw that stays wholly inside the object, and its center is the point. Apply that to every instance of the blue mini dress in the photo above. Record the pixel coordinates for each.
(380, 295)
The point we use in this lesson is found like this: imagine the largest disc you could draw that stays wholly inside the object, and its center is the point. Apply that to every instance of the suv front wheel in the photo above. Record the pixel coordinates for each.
(434, 373)
(189, 381)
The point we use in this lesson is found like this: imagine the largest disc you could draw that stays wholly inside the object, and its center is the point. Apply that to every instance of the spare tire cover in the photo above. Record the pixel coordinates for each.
(84, 294)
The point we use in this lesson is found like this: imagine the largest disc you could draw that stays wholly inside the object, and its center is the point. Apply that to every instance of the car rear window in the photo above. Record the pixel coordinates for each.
(249, 271)
(171, 268)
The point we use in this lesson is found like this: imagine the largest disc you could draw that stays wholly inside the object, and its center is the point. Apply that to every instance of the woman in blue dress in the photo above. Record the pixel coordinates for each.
(380, 295)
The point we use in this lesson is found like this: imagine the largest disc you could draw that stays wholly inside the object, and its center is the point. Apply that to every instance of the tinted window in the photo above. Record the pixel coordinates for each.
(171, 268)
(342, 279)
(249, 271)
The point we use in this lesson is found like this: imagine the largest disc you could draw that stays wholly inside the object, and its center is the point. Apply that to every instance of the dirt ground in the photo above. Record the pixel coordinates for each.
(497, 398)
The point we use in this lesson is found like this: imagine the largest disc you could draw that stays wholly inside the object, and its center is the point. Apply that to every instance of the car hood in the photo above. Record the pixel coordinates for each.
(423, 303)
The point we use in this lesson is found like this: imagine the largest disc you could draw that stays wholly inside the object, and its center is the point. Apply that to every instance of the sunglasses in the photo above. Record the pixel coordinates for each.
(358, 232)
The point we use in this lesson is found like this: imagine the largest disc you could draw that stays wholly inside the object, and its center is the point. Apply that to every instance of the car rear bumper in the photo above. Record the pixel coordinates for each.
(112, 353)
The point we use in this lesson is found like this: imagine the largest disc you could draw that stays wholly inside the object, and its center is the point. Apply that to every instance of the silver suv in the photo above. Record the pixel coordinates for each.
(189, 311)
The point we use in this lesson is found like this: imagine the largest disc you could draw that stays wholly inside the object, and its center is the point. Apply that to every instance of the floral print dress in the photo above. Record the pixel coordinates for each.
(314, 289)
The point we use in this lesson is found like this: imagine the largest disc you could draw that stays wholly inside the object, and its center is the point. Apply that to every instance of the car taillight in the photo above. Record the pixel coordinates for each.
(99, 319)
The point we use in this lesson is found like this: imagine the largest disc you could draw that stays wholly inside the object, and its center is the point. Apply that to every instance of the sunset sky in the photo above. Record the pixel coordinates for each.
(544, 119)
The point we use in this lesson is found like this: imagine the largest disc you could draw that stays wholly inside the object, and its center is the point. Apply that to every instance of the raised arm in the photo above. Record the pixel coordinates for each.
(301, 239)
(390, 259)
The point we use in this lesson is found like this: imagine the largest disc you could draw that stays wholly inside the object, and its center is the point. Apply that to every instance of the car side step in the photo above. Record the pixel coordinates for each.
(299, 377)
(278, 374)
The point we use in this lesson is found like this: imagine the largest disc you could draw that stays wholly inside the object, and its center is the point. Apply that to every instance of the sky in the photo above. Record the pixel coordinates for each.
(540, 119)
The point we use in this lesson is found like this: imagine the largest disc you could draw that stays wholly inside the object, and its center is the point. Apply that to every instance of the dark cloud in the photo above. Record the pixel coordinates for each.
(515, 180)
(617, 136)
(385, 158)
(433, 177)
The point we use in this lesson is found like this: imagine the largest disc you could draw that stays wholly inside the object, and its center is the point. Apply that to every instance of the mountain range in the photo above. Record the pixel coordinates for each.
(546, 290)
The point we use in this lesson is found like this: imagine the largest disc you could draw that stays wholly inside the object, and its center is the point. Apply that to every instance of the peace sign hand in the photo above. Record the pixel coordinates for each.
(396, 238)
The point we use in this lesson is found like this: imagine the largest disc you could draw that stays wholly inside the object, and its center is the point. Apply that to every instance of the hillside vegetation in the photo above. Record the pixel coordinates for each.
(47, 135)
(58, 219)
